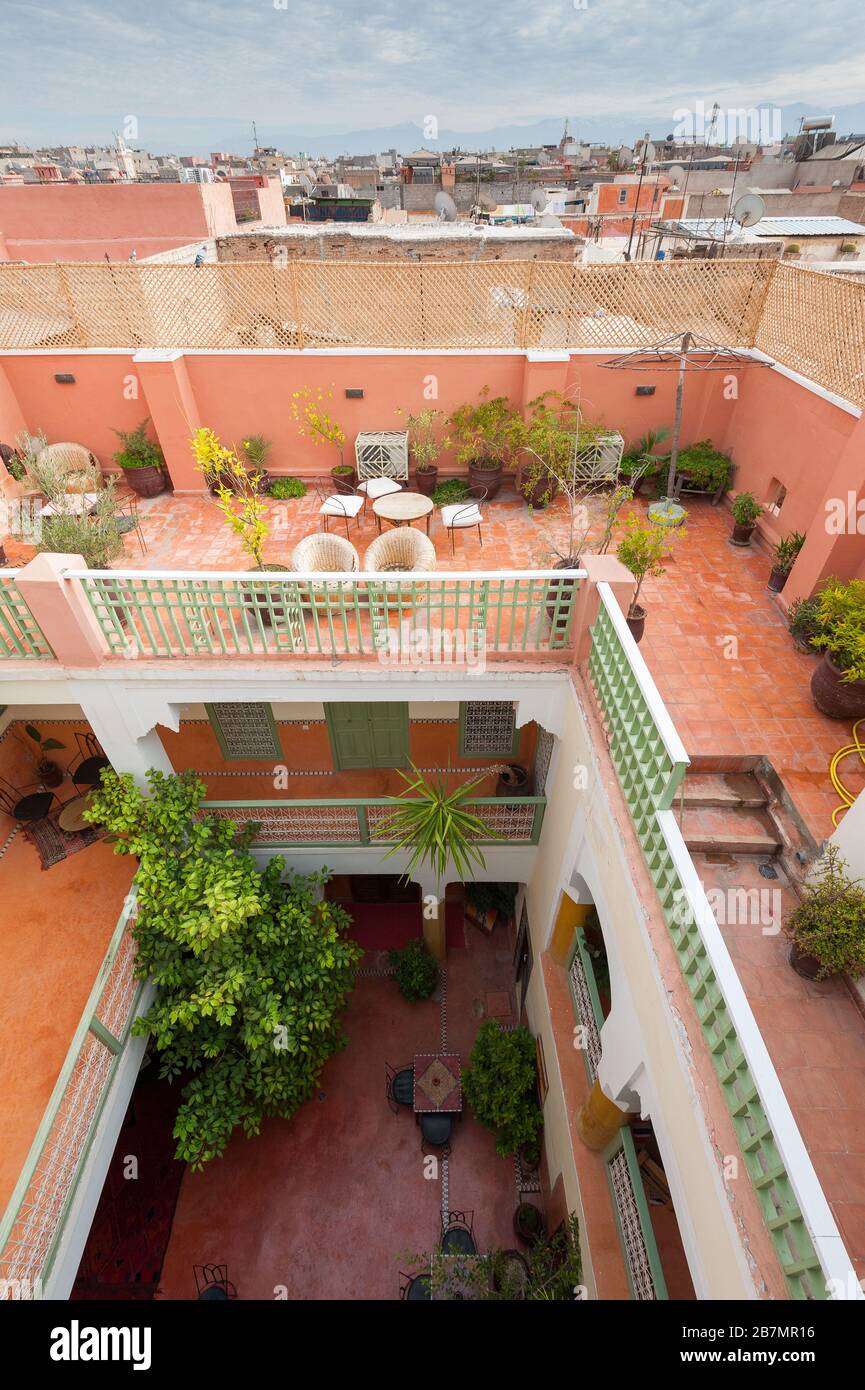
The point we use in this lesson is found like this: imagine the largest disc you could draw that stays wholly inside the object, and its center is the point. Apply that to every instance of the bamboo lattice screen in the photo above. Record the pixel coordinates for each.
(811, 322)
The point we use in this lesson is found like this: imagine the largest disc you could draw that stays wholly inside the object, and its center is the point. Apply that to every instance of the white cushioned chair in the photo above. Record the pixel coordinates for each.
(458, 516)
(342, 505)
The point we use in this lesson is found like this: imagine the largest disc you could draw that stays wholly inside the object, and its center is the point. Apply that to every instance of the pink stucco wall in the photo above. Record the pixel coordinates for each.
(81, 222)
(775, 429)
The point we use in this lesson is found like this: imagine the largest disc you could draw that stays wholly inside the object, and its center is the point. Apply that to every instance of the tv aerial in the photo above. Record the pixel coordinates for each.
(748, 209)
(445, 207)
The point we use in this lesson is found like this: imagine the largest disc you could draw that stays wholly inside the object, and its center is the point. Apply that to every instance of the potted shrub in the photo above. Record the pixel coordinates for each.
(97, 538)
(242, 506)
(49, 772)
(284, 489)
(425, 447)
(529, 1223)
(828, 926)
(484, 439)
(255, 450)
(142, 461)
(785, 557)
(792, 248)
(414, 969)
(642, 550)
(803, 624)
(309, 410)
(838, 683)
(847, 248)
(451, 491)
(500, 1084)
(745, 510)
(703, 468)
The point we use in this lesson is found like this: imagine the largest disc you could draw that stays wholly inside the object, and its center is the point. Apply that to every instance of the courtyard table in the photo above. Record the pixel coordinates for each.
(437, 1084)
(402, 508)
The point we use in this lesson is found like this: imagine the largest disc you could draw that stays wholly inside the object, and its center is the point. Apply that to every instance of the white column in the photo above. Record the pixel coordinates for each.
(106, 712)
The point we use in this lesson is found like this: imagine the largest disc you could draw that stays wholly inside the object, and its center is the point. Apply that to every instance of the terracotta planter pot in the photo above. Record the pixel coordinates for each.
(514, 781)
(541, 494)
(490, 478)
(147, 482)
(343, 482)
(426, 480)
(742, 532)
(838, 698)
(50, 773)
(637, 623)
(803, 963)
(528, 1223)
(514, 1275)
(777, 579)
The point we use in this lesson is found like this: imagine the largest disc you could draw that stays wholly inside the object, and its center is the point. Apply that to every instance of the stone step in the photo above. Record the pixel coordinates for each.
(724, 789)
(733, 829)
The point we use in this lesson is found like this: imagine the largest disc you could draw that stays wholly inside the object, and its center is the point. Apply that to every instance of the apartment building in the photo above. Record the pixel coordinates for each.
(678, 1125)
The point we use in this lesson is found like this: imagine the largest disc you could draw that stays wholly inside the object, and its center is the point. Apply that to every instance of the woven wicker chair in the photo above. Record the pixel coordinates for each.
(79, 463)
(326, 554)
(400, 549)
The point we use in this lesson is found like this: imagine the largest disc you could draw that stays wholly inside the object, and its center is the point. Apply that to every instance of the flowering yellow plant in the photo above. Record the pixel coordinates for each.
(241, 504)
(312, 419)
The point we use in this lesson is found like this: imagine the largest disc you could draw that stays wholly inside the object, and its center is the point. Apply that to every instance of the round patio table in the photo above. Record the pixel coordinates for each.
(402, 508)
(71, 818)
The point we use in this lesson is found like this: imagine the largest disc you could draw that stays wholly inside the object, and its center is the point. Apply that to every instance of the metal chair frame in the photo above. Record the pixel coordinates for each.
(325, 494)
(478, 494)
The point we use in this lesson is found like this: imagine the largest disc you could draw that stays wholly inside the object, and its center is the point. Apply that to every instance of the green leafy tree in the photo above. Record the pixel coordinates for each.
(253, 972)
(499, 1084)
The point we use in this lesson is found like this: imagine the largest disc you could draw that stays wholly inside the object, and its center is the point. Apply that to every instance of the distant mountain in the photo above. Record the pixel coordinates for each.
(201, 135)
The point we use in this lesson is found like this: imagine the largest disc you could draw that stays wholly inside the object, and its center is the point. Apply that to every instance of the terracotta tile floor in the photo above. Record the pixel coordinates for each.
(816, 1038)
(716, 643)
(332, 1203)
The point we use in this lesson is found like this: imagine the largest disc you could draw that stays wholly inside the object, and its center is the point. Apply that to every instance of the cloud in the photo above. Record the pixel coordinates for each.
(75, 71)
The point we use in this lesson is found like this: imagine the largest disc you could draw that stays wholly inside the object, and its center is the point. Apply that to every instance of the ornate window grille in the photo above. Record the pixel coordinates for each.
(245, 730)
(382, 454)
(488, 728)
(543, 755)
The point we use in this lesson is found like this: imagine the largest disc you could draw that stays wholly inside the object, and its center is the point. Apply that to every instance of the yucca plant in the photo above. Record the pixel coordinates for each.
(436, 828)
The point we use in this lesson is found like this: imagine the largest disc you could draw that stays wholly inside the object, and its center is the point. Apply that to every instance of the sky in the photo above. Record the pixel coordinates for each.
(77, 70)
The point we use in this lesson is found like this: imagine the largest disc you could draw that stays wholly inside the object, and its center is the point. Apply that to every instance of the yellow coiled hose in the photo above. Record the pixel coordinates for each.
(847, 797)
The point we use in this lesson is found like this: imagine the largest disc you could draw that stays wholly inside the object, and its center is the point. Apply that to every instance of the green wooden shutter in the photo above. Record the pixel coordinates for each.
(368, 735)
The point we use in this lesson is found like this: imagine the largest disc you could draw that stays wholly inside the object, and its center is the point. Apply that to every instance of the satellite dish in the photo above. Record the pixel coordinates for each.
(625, 157)
(548, 219)
(677, 175)
(749, 209)
(648, 153)
(539, 200)
(487, 203)
(445, 207)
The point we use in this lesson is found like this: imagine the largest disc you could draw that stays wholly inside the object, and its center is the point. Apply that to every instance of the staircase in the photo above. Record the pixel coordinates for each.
(726, 813)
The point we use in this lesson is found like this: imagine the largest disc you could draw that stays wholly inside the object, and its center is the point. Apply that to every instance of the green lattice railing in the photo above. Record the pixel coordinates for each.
(651, 761)
(20, 634)
(414, 619)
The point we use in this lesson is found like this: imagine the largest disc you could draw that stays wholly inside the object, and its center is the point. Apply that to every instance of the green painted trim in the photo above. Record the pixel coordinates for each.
(215, 720)
(55, 1100)
(625, 1140)
(332, 714)
(107, 1039)
(501, 752)
(649, 780)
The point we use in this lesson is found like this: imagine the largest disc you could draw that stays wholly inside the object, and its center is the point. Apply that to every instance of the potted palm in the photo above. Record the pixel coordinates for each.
(746, 510)
(425, 447)
(500, 1084)
(838, 683)
(828, 926)
(785, 557)
(483, 436)
(435, 827)
(314, 422)
(642, 550)
(142, 461)
(49, 772)
(641, 462)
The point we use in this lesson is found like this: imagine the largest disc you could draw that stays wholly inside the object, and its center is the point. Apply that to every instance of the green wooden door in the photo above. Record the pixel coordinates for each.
(368, 735)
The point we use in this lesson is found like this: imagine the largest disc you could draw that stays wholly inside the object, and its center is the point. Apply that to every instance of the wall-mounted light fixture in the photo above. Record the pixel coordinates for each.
(354, 393)
(645, 391)
(64, 378)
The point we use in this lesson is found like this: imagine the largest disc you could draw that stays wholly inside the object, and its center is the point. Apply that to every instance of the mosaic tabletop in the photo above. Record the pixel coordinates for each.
(437, 1082)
